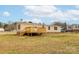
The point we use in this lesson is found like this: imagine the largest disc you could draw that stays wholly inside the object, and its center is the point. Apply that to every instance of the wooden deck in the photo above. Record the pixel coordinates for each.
(32, 30)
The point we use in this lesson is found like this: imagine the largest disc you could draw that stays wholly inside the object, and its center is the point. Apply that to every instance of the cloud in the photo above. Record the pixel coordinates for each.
(77, 6)
(44, 11)
(52, 12)
(72, 14)
(34, 20)
(6, 13)
(40, 11)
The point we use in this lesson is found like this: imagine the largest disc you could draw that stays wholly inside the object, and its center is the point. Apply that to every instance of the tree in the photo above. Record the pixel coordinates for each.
(21, 20)
(65, 26)
(59, 23)
(6, 27)
(1, 24)
(30, 22)
(43, 25)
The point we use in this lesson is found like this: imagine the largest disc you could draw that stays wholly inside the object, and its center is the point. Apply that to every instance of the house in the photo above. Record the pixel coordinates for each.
(73, 27)
(1, 29)
(53, 28)
(69, 28)
(21, 25)
(49, 28)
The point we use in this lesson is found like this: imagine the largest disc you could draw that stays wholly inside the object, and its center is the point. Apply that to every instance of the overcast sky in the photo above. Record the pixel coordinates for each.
(40, 14)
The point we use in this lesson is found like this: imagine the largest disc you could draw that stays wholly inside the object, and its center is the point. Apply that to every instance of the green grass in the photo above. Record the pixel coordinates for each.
(45, 44)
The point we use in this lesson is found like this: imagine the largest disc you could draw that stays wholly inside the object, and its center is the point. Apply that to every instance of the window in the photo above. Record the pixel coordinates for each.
(55, 28)
(48, 27)
(19, 26)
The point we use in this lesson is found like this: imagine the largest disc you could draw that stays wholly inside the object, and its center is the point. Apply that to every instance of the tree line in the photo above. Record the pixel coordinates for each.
(8, 26)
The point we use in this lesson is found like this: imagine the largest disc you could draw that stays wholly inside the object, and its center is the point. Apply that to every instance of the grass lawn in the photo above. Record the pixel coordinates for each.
(45, 44)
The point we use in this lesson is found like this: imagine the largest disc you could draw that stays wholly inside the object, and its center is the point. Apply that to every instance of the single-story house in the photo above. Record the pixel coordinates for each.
(1, 29)
(21, 25)
(49, 28)
(73, 27)
(53, 28)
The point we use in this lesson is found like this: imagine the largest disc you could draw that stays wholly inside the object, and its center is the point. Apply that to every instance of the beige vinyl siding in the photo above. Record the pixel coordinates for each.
(24, 25)
(53, 29)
